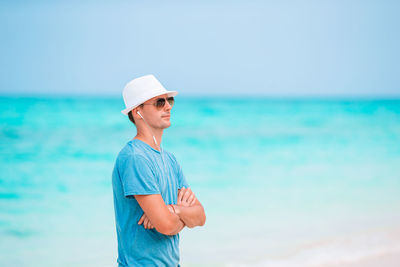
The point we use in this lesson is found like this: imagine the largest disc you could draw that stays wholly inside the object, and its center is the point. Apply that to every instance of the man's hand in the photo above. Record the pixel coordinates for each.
(186, 197)
(146, 222)
(189, 209)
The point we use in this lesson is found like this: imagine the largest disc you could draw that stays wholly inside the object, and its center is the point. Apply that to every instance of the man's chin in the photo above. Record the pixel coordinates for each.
(166, 125)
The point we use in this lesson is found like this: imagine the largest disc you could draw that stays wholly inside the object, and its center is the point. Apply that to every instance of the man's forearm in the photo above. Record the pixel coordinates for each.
(179, 225)
(192, 216)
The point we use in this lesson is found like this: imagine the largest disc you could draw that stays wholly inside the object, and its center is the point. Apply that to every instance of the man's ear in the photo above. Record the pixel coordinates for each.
(135, 115)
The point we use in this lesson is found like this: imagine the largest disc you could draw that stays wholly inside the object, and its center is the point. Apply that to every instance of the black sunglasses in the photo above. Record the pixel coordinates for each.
(160, 102)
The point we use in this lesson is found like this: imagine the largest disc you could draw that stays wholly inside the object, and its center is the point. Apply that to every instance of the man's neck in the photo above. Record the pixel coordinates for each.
(148, 138)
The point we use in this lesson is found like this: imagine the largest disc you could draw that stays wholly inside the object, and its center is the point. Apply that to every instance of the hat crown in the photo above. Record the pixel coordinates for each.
(141, 89)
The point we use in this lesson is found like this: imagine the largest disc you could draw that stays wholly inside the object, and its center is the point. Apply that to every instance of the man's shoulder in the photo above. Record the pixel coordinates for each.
(132, 150)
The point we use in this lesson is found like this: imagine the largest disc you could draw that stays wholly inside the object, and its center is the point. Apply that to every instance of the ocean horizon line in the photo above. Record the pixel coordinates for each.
(277, 97)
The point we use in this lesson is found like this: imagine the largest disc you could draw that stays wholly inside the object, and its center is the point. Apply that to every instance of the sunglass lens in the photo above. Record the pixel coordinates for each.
(171, 100)
(160, 102)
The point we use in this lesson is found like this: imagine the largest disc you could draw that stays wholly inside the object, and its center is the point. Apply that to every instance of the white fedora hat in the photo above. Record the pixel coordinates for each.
(141, 89)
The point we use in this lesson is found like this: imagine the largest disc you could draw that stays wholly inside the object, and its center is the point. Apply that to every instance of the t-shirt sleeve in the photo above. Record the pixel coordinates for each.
(137, 176)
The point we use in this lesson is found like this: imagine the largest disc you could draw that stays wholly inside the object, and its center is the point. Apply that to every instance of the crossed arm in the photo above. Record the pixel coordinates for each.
(171, 219)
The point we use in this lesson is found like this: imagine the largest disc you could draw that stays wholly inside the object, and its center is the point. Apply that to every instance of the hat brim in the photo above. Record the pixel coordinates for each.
(169, 93)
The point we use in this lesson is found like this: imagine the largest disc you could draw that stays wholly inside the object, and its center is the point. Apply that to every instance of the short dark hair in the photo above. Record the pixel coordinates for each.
(131, 116)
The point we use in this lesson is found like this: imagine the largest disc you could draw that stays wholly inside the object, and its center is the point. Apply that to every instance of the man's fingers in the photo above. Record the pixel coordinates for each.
(183, 190)
(193, 201)
(190, 198)
(146, 220)
(180, 195)
(149, 225)
(186, 195)
(141, 219)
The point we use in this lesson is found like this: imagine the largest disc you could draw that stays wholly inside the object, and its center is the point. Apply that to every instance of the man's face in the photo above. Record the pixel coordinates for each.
(158, 118)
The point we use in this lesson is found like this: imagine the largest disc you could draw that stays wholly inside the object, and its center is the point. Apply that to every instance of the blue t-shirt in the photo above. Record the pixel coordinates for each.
(141, 170)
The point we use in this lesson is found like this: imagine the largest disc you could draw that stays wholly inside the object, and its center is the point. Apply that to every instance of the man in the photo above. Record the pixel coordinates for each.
(152, 199)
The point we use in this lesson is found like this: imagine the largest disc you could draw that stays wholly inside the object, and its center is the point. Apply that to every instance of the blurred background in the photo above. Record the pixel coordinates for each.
(287, 126)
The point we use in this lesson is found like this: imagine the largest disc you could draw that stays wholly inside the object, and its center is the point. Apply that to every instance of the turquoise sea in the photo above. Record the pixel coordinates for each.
(284, 182)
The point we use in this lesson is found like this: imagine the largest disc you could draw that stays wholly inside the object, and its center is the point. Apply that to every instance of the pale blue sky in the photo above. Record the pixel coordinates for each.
(278, 48)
